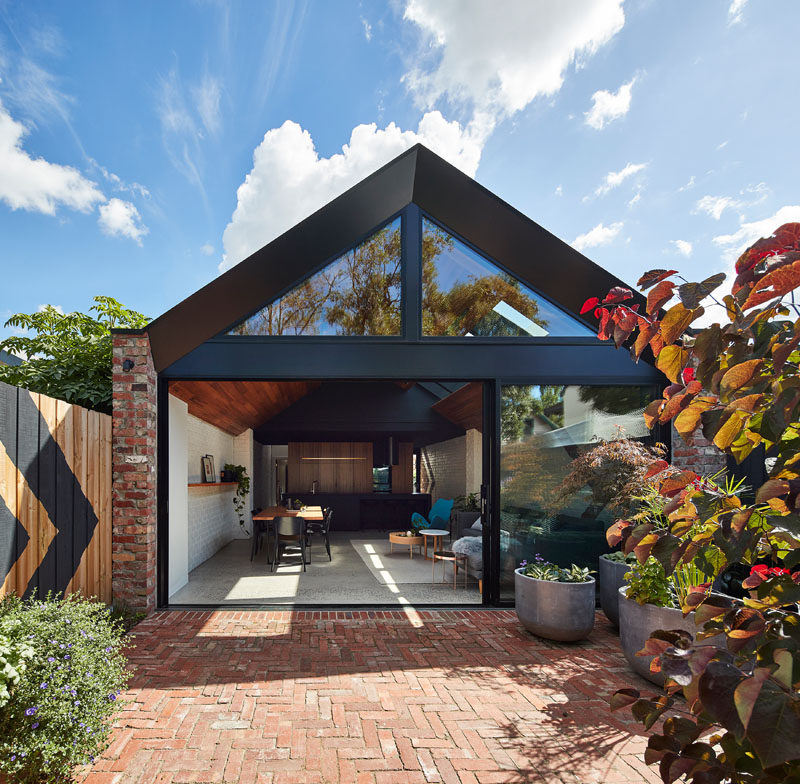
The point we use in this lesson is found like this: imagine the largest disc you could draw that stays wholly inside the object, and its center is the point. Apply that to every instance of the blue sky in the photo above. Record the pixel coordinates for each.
(146, 147)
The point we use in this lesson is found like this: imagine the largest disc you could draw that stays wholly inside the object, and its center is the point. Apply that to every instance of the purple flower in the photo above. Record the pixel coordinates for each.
(44, 685)
(524, 563)
(108, 650)
(34, 725)
(88, 675)
(51, 658)
(66, 656)
(112, 697)
(31, 711)
(77, 702)
(13, 757)
(73, 693)
(62, 645)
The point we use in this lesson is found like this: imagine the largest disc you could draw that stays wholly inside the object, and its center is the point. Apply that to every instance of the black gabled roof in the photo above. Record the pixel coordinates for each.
(528, 251)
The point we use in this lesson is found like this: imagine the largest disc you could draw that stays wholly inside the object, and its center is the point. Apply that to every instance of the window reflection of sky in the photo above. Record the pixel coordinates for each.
(460, 264)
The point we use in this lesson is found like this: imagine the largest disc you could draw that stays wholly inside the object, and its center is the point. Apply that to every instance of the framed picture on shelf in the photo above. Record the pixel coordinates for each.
(208, 468)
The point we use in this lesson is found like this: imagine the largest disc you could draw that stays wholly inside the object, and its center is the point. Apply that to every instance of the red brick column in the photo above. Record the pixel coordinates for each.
(697, 455)
(134, 511)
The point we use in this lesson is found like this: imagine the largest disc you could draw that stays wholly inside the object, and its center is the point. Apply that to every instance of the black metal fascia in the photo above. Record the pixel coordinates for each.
(577, 362)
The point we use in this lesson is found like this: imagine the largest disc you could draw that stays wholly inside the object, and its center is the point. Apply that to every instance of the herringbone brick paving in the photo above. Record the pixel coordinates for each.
(370, 697)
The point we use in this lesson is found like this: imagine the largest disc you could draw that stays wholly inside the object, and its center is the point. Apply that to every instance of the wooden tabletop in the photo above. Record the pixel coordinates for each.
(271, 512)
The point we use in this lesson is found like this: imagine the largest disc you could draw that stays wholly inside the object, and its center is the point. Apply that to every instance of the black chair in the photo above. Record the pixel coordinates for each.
(289, 529)
(314, 527)
(259, 529)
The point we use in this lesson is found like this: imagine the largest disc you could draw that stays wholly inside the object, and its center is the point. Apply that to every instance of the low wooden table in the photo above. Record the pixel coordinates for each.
(399, 537)
(456, 559)
(437, 534)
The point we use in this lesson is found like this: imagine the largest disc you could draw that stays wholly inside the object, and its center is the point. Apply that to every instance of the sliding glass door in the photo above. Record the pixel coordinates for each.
(542, 430)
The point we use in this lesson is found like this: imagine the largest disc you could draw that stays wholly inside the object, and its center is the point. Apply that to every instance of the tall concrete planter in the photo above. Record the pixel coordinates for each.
(553, 610)
(611, 577)
(638, 621)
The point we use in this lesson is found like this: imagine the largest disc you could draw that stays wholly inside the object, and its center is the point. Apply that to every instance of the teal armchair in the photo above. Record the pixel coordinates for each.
(438, 517)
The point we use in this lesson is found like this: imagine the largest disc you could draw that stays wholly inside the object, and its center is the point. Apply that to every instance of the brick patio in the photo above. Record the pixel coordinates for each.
(371, 698)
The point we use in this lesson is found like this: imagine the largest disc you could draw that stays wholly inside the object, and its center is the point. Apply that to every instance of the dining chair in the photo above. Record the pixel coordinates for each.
(259, 529)
(289, 529)
(321, 527)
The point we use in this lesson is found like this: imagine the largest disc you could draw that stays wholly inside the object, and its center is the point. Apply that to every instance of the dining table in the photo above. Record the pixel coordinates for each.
(264, 520)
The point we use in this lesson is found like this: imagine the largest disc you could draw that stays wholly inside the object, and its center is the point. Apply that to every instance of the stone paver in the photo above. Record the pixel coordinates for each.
(370, 697)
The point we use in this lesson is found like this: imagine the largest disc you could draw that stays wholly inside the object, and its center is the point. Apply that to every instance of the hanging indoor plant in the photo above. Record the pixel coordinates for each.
(554, 603)
(242, 491)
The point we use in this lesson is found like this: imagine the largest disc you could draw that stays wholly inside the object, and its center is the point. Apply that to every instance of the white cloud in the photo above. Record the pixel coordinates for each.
(607, 106)
(599, 235)
(56, 308)
(289, 180)
(559, 191)
(683, 247)
(118, 184)
(367, 29)
(499, 58)
(615, 179)
(716, 205)
(635, 199)
(120, 218)
(689, 184)
(735, 11)
(748, 233)
(207, 249)
(35, 184)
(206, 97)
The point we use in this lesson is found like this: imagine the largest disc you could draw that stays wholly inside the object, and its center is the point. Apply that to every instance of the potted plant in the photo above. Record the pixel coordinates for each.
(239, 473)
(653, 601)
(554, 603)
(612, 568)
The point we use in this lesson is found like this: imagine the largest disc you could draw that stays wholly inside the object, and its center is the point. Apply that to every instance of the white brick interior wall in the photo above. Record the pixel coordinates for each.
(212, 519)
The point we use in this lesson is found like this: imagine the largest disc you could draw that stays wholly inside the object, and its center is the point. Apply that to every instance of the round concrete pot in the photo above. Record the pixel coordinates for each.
(611, 576)
(555, 611)
(638, 621)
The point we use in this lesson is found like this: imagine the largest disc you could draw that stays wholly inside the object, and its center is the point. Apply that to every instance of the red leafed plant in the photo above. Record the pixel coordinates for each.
(738, 383)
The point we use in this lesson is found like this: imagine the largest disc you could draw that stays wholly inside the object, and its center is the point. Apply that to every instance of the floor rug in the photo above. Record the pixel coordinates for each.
(395, 567)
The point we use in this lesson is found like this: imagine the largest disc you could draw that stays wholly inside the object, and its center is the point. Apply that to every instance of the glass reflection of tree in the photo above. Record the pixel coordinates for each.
(615, 400)
(468, 306)
(359, 294)
(531, 474)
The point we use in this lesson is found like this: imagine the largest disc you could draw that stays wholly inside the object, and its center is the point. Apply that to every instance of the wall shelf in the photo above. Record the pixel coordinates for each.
(213, 484)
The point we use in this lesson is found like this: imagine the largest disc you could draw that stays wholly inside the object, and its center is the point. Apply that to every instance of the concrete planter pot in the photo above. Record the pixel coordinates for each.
(611, 577)
(555, 611)
(638, 621)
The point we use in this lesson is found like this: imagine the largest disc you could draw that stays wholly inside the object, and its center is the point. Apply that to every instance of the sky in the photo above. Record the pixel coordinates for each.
(147, 147)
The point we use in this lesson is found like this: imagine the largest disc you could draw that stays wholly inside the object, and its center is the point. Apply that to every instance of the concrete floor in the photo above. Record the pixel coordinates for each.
(229, 577)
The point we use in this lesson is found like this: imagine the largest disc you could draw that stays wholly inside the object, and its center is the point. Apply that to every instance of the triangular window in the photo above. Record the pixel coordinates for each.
(464, 295)
(357, 294)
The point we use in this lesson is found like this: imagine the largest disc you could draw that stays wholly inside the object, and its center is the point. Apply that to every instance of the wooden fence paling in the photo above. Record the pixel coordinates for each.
(55, 494)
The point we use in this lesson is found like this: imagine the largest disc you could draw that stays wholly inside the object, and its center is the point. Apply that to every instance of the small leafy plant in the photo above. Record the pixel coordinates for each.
(467, 503)
(544, 570)
(619, 557)
(60, 709)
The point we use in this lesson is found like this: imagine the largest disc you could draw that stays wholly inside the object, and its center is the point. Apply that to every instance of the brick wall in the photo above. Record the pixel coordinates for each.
(133, 549)
(697, 455)
(452, 468)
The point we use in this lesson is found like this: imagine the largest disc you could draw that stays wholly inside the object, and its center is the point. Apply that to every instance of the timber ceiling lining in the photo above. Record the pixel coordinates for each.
(464, 407)
(236, 406)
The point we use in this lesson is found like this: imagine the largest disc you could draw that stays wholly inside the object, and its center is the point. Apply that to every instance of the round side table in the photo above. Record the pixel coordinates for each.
(437, 534)
(457, 559)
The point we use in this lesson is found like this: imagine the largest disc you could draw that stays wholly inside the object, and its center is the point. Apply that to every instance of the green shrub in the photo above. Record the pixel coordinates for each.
(60, 711)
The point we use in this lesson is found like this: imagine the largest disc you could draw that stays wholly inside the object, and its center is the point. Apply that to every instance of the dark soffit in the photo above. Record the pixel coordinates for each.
(444, 192)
